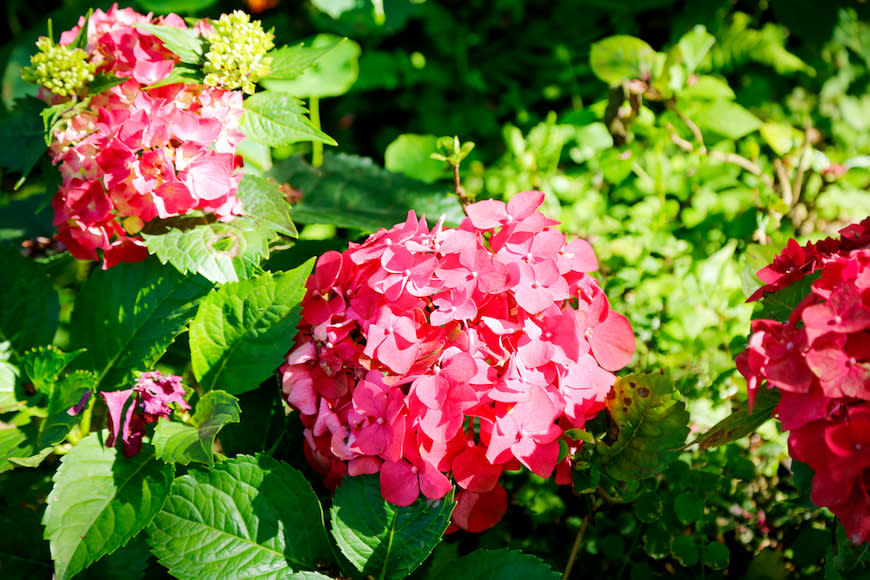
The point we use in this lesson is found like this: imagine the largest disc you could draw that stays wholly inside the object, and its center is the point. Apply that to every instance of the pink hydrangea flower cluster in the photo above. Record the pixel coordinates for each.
(136, 153)
(819, 361)
(425, 355)
(152, 395)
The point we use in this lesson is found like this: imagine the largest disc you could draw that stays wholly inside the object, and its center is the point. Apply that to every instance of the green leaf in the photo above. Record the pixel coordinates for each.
(688, 507)
(127, 316)
(621, 58)
(218, 251)
(780, 304)
(381, 539)
(741, 422)
(411, 154)
(685, 550)
(781, 137)
(288, 62)
(44, 364)
(265, 205)
(725, 118)
(182, 443)
(16, 442)
(64, 395)
(178, 6)
(22, 137)
(99, 502)
(333, 74)
(707, 87)
(8, 379)
(352, 192)
(276, 118)
(187, 44)
(648, 507)
(648, 426)
(716, 555)
(29, 306)
(498, 565)
(249, 517)
(694, 46)
(243, 330)
(103, 82)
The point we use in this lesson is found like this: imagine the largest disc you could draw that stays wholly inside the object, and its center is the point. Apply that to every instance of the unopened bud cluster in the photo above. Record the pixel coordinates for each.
(59, 68)
(237, 53)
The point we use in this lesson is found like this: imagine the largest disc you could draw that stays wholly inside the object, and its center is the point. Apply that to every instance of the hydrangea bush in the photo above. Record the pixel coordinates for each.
(454, 352)
(817, 356)
(202, 403)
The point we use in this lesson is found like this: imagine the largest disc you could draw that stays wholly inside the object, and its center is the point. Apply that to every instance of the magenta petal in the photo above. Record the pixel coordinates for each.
(524, 204)
(399, 483)
(612, 342)
(115, 402)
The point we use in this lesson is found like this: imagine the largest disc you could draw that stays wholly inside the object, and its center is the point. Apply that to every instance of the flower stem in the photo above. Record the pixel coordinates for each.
(578, 540)
(316, 146)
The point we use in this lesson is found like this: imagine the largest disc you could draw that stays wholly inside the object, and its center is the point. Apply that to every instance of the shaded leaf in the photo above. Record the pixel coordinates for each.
(8, 379)
(353, 192)
(64, 395)
(411, 155)
(243, 330)
(276, 118)
(16, 442)
(29, 306)
(620, 58)
(741, 422)
(182, 442)
(780, 304)
(648, 426)
(498, 565)
(22, 137)
(100, 501)
(128, 315)
(249, 517)
(44, 364)
(381, 539)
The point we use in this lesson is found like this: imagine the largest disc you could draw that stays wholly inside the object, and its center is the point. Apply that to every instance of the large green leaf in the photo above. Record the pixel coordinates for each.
(100, 500)
(185, 42)
(497, 565)
(353, 192)
(647, 428)
(29, 307)
(17, 442)
(243, 330)
(381, 539)
(182, 443)
(221, 252)
(621, 58)
(8, 379)
(276, 118)
(741, 422)
(249, 517)
(128, 315)
(333, 74)
(411, 155)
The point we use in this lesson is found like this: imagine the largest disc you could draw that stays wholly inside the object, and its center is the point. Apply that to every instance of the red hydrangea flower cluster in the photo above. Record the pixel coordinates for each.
(819, 360)
(151, 396)
(454, 352)
(133, 154)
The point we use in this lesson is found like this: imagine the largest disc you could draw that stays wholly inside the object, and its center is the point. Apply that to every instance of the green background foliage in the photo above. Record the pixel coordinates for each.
(687, 141)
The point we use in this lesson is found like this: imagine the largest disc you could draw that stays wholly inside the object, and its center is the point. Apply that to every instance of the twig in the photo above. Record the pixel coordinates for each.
(458, 189)
(784, 182)
(578, 540)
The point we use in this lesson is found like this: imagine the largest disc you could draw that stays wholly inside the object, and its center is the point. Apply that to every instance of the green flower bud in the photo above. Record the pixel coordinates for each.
(59, 68)
(237, 53)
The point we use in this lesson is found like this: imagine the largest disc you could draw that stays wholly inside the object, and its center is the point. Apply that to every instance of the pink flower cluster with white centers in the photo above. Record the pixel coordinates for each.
(138, 153)
(819, 361)
(424, 355)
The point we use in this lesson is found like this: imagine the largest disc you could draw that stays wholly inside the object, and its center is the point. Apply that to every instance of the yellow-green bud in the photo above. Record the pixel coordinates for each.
(59, 68)
(237, 53)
